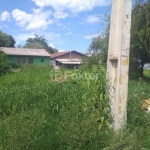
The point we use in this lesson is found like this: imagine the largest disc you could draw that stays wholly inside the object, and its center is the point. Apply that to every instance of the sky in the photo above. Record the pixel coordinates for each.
(66, 24)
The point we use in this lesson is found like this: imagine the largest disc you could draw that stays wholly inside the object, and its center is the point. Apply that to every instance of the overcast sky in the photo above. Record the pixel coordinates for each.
(66, 24)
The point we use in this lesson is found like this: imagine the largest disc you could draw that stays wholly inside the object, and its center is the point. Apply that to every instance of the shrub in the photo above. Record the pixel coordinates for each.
(4, 66)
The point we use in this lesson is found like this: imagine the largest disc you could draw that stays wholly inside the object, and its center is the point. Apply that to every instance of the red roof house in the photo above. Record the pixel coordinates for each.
(70, 59)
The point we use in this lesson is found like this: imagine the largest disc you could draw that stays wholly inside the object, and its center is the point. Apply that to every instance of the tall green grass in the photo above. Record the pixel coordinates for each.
(138, 119)
(37, 113)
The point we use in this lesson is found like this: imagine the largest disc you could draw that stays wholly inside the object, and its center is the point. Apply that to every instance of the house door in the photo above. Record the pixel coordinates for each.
(30, 60)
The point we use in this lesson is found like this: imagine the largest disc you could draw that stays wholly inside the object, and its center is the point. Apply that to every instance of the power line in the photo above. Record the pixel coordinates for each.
(101, 23)
(109, 8)
(105, 14)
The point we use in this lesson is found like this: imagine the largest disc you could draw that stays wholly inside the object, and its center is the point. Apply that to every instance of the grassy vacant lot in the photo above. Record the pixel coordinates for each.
(38, 113)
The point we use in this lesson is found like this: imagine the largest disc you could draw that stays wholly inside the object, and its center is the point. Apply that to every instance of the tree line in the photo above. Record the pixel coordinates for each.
(37, 42)
(140, 40)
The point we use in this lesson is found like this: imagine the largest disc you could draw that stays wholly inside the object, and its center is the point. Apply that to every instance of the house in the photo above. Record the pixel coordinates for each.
(26, 56)
(70, 59)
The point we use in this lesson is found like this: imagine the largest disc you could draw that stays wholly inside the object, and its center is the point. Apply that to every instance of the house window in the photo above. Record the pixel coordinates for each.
(21, 60)
(42, 60)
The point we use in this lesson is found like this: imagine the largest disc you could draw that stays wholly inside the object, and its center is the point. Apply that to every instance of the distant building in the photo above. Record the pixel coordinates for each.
(69, 59)
(26, 56)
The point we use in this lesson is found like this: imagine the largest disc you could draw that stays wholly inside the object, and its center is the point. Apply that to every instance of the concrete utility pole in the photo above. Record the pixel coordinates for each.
(118, 60)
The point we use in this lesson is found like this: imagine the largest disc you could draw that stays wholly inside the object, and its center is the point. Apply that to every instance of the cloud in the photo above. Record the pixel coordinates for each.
(38, 19)
(61, 50)
(92, 19)
(5, 16)
(66, 28)
(80, 5)
(74, 6)
(52, 45)
(91, 36)
(21, 17)
(6, 26)
(68, 33)
(60, 14)
(22, 37)
(50, 37)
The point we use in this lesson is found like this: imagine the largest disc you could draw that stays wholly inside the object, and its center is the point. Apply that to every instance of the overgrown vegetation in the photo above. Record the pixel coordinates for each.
(52, 115)
(4, 65)
(38, 113)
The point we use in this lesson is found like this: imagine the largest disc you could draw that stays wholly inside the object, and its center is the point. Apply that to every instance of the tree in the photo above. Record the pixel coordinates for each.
(140, 38)
(39, 42)
(4, 66)
(98, 49)
(6, 40)
(34, 45)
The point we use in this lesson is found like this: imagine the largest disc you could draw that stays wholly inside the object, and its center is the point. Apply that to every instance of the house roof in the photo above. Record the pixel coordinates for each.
(25, 51)
(58, 54)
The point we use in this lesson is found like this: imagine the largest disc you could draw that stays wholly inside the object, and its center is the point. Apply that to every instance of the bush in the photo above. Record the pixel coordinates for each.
(15, 65)
(4, 66)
